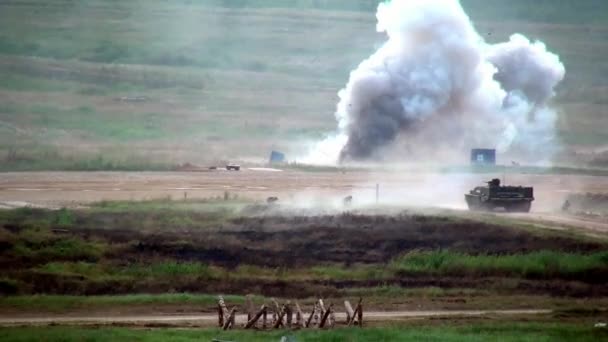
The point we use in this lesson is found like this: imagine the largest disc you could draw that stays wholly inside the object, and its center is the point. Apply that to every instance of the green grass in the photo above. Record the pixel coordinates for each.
(160, 213)
(474, 332)
(357, 272)
(80, 268)
(535, 264)
(87, 251)
(229, 201)
(56, 303)
(217, 68)
(392, 291)
(169, 269)
(46, 158)
(542, 265)
(70, 248)
(91, 121)
(83, 260)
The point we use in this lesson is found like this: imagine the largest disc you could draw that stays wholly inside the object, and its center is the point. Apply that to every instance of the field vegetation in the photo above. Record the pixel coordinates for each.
(470, 332)
(144, 251)
(541, 264)
(99, 85)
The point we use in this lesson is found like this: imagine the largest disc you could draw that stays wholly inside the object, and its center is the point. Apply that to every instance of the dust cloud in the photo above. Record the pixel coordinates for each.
(435, 89)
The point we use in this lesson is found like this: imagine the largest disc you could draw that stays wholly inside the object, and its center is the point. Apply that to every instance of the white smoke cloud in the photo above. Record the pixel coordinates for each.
(436, 85)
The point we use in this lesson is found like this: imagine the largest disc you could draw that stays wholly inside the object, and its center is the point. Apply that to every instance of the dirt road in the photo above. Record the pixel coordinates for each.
(559, 221)
(298, 188)
(397, 187)
(211, 319)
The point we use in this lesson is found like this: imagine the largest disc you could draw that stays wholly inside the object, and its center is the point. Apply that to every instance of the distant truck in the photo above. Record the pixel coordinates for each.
(492, 196)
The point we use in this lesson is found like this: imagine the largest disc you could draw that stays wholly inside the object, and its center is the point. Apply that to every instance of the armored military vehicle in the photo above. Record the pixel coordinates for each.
(493, 196)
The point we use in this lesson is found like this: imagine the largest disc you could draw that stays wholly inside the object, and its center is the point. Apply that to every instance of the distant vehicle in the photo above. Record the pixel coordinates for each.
(492, 196)
(347, 201)
(233, 167)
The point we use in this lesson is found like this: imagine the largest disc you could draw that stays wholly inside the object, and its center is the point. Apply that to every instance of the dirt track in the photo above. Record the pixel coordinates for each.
(55, 189)
(211, 319)
(599, 227)
(410, 187)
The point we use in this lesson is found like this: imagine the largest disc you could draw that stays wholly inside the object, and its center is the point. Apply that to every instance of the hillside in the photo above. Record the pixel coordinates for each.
(145, 84)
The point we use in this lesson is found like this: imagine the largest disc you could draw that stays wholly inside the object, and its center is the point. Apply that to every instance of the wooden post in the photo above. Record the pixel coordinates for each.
(288, 314)
(224, 311)
(250, 312)
(222, 304)
(220, 316)
(322, 306)
(276, 311)
(265, 319)
(360, 312)
(230, 321)
(251, 322)
(299, 316)
(312, 313)
(353, 318)
(357, 316)
(349, 311)
(325, 316)
(279, 321)
(318, 314)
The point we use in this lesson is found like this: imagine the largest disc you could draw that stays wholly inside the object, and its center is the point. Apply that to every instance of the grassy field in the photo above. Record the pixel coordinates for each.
(537, 264)
(209, 70)
(164, 256)
(472, 332)
(208, 246)
(56, 303)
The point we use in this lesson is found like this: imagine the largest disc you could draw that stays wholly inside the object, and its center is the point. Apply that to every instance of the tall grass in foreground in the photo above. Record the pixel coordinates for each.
(535, 264)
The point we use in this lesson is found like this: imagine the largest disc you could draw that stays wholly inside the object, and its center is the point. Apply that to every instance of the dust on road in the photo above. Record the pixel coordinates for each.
(397, 188)
(57, 188)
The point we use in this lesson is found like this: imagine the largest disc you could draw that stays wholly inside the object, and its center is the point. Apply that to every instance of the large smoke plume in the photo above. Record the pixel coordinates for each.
(436, 85)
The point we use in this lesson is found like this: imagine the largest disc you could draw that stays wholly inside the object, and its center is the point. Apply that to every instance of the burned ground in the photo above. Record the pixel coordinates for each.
(101, 252)
(305, 241)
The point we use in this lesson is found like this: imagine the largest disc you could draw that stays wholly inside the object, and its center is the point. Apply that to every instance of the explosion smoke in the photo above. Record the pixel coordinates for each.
(436, 85)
